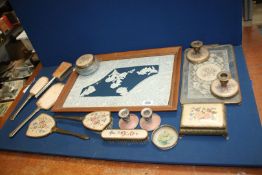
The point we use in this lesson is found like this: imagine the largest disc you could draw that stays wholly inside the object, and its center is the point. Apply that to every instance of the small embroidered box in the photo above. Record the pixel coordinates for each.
(203, 119)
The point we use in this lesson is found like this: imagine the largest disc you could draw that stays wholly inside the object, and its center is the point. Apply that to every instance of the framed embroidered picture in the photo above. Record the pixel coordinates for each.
(203, 119)
(133, 80)
(197, 78)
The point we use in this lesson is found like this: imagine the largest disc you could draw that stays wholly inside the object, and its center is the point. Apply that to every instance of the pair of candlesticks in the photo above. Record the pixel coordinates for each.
(149, 120)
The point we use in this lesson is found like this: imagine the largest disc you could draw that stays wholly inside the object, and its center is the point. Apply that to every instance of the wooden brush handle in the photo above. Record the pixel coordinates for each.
(62, 68)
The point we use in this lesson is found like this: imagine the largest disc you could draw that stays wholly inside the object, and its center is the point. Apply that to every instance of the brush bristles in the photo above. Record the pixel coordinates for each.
(127, 136)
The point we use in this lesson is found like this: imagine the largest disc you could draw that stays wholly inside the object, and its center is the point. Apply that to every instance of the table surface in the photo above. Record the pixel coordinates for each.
(25, 163)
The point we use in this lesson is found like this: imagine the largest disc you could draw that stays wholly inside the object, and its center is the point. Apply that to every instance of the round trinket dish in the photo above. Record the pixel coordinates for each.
(198, 53)
(165, 137)
(86, 64)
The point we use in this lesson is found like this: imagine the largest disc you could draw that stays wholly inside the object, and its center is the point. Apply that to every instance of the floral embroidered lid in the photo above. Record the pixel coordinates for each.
(40, 126)
(165, 137)
(97, 121)
(205, 115)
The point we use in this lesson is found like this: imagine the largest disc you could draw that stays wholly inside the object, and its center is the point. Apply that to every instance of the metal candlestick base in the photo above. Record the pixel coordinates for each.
(149, 121)
(127, 120)
(224, 86)
(197, 54)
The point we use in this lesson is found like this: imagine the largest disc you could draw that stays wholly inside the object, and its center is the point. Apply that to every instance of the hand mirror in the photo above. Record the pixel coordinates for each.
(96, 121)
(44, 125)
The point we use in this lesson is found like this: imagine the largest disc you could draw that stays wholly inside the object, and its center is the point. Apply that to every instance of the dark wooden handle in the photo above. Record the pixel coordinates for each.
(63, 67)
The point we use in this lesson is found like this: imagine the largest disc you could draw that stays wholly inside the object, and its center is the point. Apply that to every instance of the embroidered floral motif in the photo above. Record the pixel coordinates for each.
(203, 113)
(165, 138)
(41, 125)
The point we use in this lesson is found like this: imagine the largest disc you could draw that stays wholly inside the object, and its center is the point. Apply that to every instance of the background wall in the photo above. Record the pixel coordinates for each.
(65, 29)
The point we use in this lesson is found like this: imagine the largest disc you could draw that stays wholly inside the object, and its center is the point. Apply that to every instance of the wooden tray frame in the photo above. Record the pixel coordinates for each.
(58, 107)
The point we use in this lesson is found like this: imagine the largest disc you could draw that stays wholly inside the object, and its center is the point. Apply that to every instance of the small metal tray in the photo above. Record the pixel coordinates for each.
(197, 78)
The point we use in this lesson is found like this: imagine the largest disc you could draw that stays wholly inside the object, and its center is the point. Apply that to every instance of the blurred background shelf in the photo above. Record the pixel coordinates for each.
(18, 60)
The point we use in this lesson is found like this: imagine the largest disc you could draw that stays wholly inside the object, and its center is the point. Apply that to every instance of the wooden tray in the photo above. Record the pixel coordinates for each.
(173, 98)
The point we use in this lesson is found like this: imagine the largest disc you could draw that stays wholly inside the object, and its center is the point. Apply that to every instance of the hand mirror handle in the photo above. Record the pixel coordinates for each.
(62, 131)
(70, 118)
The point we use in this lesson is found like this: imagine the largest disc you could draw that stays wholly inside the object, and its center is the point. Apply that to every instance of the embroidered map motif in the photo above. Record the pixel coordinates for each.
(120, 81)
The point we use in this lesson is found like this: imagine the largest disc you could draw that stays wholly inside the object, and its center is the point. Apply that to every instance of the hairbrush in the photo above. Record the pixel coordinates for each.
(61, 71)
(40, 83)
(125, 135)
